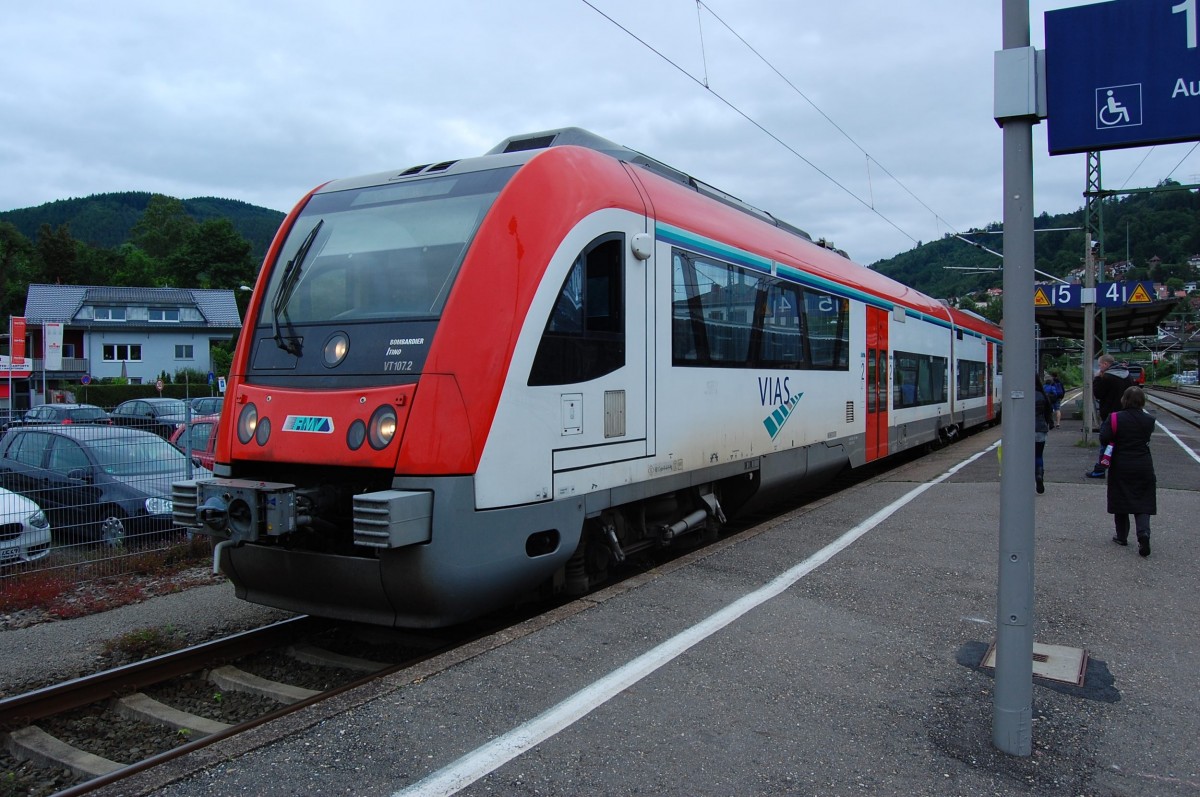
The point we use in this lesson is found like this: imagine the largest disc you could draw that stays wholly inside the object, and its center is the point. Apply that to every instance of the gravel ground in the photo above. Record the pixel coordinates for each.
(37, 651)
(49, 652)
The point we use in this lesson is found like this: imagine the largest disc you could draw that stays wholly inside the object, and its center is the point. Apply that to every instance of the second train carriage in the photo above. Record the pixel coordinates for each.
(469, 380)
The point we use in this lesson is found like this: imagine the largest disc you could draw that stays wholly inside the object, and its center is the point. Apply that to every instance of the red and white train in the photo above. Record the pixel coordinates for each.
(467, 381)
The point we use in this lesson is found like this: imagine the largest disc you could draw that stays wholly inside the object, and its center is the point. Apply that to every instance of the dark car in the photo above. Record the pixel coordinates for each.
(198, 439)
(207, 405)
(51, 414)
(96, 482)
(159, 415)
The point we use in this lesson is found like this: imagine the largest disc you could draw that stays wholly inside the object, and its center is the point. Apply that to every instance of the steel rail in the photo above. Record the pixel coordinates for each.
(20, 710)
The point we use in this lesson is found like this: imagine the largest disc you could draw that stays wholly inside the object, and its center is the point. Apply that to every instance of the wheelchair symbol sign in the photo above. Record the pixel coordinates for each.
(1119, 106)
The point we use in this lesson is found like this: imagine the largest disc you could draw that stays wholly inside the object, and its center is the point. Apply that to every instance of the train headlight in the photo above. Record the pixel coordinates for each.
(247, 423)
(263, 432)
(382, 427)
(335, 349)
(357, 435)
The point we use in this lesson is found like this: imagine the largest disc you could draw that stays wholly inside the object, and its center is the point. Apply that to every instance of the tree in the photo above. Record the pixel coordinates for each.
(16, 253)
(215, 255)
(57, 252)
(163, 228)
(994, 309)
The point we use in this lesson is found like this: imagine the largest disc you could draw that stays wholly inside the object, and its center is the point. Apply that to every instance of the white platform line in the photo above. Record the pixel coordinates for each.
(1182, 444)
(491, 756)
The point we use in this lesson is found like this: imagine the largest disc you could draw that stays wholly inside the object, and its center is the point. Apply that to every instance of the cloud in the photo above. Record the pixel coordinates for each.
(263, 101)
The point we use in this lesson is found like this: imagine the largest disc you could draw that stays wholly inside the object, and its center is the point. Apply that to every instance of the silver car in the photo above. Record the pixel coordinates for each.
(24, 530)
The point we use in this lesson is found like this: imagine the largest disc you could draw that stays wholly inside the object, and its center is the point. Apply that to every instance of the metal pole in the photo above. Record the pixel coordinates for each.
(1091, 233)
(1012, 719)
(1089, 344)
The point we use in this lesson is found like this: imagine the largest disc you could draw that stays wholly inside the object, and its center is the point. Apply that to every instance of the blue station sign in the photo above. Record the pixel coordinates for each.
(1125, 73)
(1106, 294)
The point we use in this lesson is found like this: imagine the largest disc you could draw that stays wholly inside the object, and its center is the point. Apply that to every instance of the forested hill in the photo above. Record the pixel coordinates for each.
(1138, 228)
(105, 221)
(1157, 233)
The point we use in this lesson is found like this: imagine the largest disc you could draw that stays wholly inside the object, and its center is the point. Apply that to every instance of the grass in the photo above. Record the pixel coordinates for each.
(145, 643)
(82, 582)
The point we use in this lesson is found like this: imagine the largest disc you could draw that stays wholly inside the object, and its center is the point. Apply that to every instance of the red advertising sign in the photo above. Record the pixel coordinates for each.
(17, 340)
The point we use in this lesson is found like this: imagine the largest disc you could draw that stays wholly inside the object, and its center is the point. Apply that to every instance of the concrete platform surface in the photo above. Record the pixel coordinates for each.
(836, 652)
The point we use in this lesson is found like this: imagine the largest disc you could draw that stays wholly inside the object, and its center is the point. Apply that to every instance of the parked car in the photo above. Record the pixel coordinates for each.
(48, 414)
(96, 483)
(207, 405)
(24, 530)
(159, 415)
(198, 439)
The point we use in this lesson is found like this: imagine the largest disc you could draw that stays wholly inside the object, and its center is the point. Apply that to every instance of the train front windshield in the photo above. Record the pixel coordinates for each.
(382, 252)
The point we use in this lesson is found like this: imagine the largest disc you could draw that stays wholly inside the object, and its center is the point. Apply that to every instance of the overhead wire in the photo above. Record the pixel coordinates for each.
(827, 117)
(729, 104)
(1181, 160)
(867, 203)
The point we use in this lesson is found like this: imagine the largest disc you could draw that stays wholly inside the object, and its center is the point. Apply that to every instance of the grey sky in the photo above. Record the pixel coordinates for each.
(263, 101)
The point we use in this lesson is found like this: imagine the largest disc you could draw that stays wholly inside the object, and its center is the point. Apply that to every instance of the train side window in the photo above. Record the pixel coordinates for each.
(781, 342)
(689, 341)
(920, 379)
(584, 337)
(827, 330)
(971, 379)
(717, 313)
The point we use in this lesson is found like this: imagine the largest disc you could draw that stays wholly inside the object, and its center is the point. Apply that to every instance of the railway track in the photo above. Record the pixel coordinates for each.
(86, 733)
(163, 708)
(1182, 403)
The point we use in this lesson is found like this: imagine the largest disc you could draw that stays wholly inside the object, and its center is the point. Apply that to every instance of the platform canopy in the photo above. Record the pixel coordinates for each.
(1130, 321)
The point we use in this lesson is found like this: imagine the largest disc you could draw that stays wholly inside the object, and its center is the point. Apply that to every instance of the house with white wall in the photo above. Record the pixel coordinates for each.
(136, 333)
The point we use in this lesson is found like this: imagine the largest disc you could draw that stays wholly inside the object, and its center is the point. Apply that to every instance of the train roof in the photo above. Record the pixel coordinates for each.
(518, 150)
(576, 136)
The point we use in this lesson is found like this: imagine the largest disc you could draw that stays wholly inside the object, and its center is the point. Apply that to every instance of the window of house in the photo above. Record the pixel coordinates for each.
(164, 314)
(68, 350)
(122, 352)
(584, 337)
(183, 351)
(109, 314)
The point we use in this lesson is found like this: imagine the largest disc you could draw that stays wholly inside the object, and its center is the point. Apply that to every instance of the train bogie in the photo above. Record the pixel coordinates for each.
(465, 382)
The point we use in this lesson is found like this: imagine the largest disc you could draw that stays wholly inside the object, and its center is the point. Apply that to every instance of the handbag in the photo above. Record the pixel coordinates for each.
(1106, 457)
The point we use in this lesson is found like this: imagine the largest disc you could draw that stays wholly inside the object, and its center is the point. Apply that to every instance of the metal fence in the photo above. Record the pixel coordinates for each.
(86, 501)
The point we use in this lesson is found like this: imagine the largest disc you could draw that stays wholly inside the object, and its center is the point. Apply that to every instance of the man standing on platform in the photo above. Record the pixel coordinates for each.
(1107, 389)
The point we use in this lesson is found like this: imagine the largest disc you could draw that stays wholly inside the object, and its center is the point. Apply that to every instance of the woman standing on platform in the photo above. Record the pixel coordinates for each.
(1043, 421)
(1131, 480)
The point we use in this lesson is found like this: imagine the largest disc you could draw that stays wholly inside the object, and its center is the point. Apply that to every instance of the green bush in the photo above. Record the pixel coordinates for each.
(109, 396)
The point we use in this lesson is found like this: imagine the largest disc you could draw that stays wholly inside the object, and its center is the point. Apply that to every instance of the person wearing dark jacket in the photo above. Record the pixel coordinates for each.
(1043, 421)
(1131, 480)
(1107, 388)
(1055, 392)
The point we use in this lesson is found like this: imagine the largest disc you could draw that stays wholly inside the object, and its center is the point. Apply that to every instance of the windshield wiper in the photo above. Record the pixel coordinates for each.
(291, 277)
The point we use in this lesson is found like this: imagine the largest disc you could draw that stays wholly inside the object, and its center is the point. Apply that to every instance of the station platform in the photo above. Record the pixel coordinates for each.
(836, 651)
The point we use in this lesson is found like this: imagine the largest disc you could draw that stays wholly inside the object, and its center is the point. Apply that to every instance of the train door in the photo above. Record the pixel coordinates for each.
(990, 370)
(877, 383)
(595, 352)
